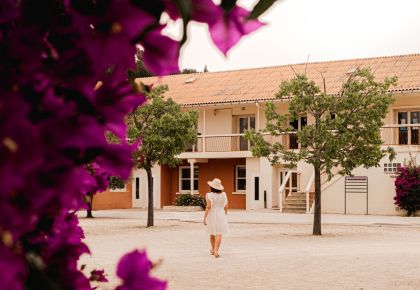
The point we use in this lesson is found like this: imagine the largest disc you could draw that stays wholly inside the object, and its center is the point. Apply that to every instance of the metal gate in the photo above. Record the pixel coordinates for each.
(356, 184)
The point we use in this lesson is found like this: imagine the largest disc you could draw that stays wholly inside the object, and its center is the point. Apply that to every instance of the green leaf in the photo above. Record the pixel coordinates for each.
(228, 5)
(164, 130)
(260, 8)
(184, 9)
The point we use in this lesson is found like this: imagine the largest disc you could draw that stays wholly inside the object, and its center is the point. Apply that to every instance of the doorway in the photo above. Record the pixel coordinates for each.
(245, 123)
(290, 187)
(296, 125)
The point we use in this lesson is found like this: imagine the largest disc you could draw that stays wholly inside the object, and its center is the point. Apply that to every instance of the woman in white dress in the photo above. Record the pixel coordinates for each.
(215, 216)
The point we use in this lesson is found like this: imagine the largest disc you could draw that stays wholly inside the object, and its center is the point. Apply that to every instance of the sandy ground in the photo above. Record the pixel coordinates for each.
(265, 250)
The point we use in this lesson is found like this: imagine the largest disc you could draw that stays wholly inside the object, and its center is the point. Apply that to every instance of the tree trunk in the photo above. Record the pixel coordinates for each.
(150, 198)
(90, 206)
(317, 213)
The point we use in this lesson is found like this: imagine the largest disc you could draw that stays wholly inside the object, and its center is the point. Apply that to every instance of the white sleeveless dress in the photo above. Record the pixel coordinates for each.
(216, 220)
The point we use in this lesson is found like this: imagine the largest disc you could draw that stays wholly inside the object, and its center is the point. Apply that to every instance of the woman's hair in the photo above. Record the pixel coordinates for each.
(215, 190)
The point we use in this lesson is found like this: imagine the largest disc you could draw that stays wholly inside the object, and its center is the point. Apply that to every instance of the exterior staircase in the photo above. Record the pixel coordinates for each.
(295, 203)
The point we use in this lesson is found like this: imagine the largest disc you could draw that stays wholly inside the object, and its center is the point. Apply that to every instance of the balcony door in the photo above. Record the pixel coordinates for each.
(296, 125)
(245, 123)
(408, 135)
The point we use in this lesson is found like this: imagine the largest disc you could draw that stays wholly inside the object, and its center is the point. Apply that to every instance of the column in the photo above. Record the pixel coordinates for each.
(257, 121)
(191, 162)
(204, 130)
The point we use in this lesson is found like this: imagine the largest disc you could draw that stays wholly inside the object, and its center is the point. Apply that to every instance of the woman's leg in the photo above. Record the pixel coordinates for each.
(212, 239)
(217, 242)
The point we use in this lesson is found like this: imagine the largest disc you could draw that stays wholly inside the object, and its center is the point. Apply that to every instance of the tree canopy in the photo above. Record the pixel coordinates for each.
(164, 131)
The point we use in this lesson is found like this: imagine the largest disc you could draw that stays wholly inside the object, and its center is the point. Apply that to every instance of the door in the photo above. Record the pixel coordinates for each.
(245, 123)
(403, 131)
(414, 118)
(296, 125)
(294, 179)
(408, 135)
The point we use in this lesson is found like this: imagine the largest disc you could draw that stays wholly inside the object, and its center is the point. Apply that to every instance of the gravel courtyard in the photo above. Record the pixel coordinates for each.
(265, 250)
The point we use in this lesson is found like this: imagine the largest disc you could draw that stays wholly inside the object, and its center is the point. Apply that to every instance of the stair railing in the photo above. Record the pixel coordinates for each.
(308, 190)
(281, 196)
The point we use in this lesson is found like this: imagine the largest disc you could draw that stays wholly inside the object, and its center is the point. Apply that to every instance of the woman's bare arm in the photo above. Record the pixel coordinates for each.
(208, 207)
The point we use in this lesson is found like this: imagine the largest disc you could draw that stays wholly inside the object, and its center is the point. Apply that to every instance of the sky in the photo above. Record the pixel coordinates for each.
(318, 30)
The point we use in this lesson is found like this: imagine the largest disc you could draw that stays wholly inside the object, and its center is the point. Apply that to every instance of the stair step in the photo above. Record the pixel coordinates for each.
(295, 207)
(301, 201)
(287, 210)
(296, 199)
(295, 203)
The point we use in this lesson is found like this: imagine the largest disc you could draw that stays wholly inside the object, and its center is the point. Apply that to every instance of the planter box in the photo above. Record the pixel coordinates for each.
(182, 208)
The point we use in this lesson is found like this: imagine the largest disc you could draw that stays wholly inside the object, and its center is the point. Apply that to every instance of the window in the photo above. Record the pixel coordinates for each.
(245, 123)
(137, 187)
(194, 147)
(296, 125)
(256, 188)
(240, 178)
(185, 178)
(408, 135)
(391, 167)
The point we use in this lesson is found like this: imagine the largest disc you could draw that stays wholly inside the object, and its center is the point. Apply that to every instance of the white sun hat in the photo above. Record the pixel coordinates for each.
(216, 184)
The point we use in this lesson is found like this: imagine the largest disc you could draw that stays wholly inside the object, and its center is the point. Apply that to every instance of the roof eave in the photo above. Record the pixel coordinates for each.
(241, 102)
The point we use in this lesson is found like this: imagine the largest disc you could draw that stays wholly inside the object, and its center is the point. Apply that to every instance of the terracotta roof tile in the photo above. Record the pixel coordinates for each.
(262, 83)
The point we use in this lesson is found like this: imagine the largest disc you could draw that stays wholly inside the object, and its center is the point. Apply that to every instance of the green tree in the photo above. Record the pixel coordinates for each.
(164, 132)
(141, 70)
(344, 134)
(189, 71)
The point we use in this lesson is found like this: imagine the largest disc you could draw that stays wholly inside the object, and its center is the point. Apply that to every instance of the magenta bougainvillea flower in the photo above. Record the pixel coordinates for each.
(134, 270)
(110, 34)
(98, 275)
(407, 187)
(8, 10)
(161, 53)
(228, 28)
(204, 11)
(13, 269)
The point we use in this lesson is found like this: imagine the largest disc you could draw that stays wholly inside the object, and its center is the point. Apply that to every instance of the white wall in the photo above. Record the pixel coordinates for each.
(266, 181)
(142, 202)
(306, 171)
(252, 170)
(381, 192)
(218, 121)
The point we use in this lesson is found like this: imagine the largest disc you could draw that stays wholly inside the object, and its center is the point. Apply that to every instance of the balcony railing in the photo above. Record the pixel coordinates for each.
(401, 134)
(220, 143)
(391, 135)
(237, 142)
